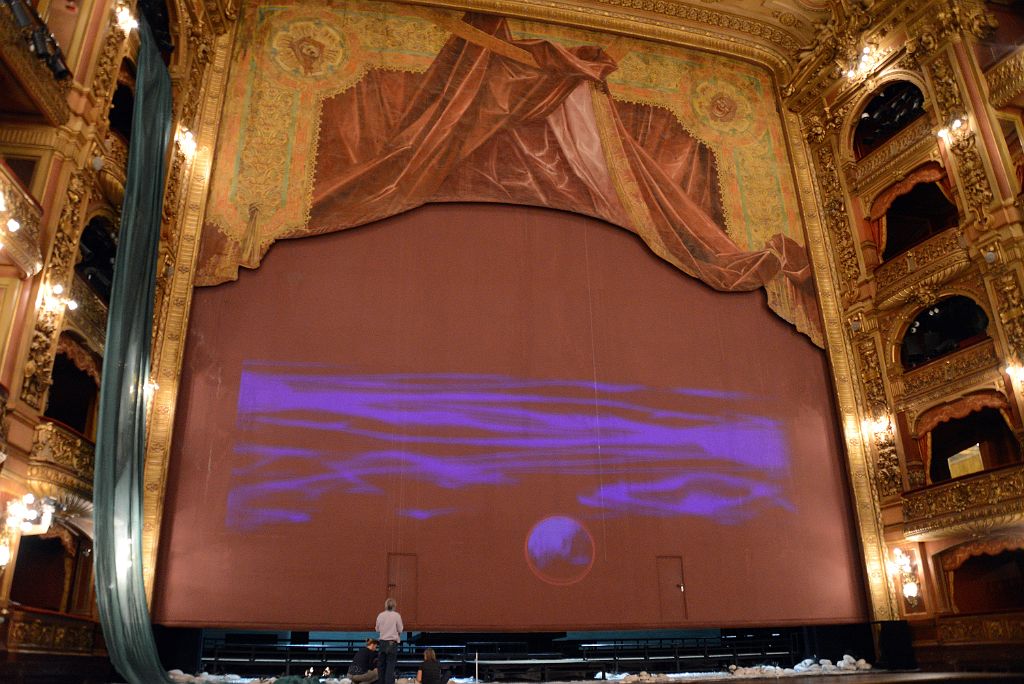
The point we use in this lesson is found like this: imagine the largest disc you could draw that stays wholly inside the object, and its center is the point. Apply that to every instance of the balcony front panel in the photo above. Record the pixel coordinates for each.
(976, 504)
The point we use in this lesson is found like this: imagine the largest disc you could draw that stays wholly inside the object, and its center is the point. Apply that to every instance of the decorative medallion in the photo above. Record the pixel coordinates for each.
(307, 48)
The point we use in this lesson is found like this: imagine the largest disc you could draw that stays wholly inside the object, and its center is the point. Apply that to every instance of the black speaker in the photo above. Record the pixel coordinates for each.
(895, 645)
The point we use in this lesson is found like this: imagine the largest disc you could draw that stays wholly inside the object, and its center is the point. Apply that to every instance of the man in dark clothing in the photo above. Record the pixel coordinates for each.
(363, 669)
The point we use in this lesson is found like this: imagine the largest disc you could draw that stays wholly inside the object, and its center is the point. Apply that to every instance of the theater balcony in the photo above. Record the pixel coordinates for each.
(33, 74)
(41, 643)
(61, 466)
(975, 504)
(19, 222)
(923, 268)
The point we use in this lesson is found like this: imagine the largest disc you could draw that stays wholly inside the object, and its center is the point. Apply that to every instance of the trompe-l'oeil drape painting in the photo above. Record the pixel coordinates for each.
(337, 116)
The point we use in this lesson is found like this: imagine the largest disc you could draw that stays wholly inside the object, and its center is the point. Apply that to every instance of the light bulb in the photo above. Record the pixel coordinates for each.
(72, 304)
(58, 289)
(13, 225)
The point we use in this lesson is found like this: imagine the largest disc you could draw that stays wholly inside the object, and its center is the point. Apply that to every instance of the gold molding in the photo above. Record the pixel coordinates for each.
(822, 229)
(171, 324)
(977, 504)
(909, 148)
(23, 246)
(90, 318)
(57, 448)
(986, 629)
(975, 366)
(1006, 79)
(917, 274)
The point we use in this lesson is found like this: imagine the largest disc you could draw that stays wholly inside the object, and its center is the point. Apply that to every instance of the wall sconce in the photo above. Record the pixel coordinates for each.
(125, 20)
(903, 570)
(863, 64)
(957, 127)
(25, 516)
(186, 142)
(55, 300)
(1015, 371)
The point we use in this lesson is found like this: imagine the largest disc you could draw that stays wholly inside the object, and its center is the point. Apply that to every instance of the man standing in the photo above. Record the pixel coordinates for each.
(389, 630)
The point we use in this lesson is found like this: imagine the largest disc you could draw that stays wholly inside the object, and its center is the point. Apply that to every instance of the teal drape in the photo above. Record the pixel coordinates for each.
(121, 432)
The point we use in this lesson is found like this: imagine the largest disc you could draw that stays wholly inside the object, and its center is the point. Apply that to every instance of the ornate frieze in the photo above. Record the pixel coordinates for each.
(1004, 628)
(837, 220)
(21, 246)
(53, 445)
(887, 478)
(1006, 80)
(978, 503)
(49, 94)
(39, 364)
(876, 168)
(967, 367)
(944, 21)
(39, 632)
(917, 275)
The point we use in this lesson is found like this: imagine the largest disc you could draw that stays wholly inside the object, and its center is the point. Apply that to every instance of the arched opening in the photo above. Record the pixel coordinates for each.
(891, 110)
(979, 441)
(988, 583)
(97, 251)
(945, 327)
(916, 216)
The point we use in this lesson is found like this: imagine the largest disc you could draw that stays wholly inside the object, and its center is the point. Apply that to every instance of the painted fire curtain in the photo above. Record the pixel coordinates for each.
(354, 113)
(121, 430)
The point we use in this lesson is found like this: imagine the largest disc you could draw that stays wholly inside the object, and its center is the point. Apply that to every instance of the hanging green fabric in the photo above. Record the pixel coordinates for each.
(121, 432)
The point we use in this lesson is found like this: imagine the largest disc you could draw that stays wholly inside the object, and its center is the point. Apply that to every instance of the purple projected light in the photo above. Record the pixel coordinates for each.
(308, 431)
(560, 550)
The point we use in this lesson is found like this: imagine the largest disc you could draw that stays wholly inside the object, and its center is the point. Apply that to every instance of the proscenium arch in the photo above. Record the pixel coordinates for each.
(171, 328)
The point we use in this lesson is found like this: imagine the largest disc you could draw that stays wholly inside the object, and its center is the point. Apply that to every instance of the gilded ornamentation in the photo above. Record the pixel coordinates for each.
(837, 220)
(39, 364)
(947, 19)
(49, 633)
(988, 629)
(1010, 304)
(713, 18)
(31, 73)
(53, 444)
(981, 502)
(908, 143)
(887, 478)
(1006, 80)
(836, 40)
(109, 62)
(23, 246)
(917, 275)
(959, 408)
(971, 169)
(90, 318)
(973, 362)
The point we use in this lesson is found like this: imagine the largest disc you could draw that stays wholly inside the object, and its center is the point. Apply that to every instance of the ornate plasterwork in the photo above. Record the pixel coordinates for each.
(109, 62)
(976, 504)
(39, 364)
(917, 275)
(83, 359)
(912, 143)
(1010, 304)
(943, 21)
(1006, 80)
(53, 634)
(837, 220)
(972, 366)
(23, 246)
(988, 629)
(90, 318)
(963, 144)
(49, 94)
(55, 446)
(953, 558)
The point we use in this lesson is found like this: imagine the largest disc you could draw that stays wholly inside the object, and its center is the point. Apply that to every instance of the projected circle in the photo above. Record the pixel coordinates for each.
(560, 550)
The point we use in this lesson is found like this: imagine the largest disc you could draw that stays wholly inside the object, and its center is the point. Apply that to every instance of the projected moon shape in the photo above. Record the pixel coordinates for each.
(559, 550)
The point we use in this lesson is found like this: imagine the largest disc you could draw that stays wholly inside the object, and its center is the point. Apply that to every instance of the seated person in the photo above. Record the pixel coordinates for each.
(363, 669)
(430, 670)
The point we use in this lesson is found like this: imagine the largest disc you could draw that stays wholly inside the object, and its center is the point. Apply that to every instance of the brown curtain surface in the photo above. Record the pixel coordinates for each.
(534, 127)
